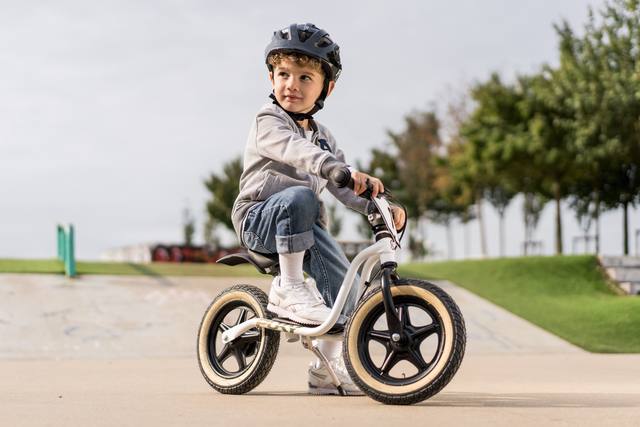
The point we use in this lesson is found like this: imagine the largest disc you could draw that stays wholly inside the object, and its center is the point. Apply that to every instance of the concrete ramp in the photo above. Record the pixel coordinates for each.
(50, 316)
(108, 317)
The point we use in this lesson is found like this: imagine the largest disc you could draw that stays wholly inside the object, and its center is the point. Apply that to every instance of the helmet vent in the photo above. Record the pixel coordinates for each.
(324, 42)
(304, 35)
(285, 34)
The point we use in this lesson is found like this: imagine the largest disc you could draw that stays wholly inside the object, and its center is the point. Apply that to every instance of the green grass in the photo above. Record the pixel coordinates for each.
(566, 295)
(54, 266)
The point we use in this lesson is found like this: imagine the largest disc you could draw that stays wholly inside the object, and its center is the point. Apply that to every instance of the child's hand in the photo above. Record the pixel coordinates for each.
(360, 183)
(398, 217)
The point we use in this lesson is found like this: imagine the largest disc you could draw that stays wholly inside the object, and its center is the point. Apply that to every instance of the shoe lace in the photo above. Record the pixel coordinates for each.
(340, 369)
(308, 292)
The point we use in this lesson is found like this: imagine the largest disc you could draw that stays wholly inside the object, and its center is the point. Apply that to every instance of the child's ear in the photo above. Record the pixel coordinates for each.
(271, 78)
(332, 85)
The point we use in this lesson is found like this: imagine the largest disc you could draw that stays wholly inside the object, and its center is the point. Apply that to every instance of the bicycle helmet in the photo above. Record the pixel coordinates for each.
(312, 41)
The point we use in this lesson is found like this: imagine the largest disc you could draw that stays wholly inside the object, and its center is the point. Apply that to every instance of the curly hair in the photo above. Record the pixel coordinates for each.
(300, 59)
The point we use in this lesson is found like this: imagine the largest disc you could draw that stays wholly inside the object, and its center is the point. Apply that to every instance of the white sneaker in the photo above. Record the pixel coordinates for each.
(320, 382)
(301, 303)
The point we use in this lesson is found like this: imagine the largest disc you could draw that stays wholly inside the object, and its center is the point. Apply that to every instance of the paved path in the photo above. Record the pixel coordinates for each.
(489, 390)
(113, 350)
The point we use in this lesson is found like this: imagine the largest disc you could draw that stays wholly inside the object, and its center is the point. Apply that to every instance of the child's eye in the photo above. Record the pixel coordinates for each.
(305, 78)
(283, 74)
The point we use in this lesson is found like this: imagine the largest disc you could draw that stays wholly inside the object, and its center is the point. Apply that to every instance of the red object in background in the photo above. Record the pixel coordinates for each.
(174, 253)
(160, 254)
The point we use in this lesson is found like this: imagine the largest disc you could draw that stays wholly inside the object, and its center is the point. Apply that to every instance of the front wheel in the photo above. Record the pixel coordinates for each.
(241, 365)
(422, 361)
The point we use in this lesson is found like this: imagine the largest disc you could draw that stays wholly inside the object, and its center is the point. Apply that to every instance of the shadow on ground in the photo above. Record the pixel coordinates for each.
(535, 400)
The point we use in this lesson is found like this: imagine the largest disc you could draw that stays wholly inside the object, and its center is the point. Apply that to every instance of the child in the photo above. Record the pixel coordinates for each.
(287, 161)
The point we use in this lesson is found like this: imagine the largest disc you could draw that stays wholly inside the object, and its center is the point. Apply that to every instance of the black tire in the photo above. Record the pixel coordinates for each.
(427, 359)
(241, 365)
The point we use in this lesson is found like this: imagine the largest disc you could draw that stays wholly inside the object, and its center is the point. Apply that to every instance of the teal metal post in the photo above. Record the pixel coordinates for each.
(60, 242)
(66, 251)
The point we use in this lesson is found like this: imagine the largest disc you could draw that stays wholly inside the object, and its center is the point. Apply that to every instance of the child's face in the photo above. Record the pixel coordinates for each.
(297, 88)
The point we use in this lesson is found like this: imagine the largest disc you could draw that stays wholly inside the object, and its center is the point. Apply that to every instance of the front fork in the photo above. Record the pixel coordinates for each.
(393, 321)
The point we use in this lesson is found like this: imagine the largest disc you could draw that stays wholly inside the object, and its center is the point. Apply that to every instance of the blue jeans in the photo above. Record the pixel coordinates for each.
(286, 223)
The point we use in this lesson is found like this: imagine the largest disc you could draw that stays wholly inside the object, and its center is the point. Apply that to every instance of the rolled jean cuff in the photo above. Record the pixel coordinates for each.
(294, 243)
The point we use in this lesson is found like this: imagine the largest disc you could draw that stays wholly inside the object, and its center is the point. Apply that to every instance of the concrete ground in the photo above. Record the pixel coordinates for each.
(108, 350)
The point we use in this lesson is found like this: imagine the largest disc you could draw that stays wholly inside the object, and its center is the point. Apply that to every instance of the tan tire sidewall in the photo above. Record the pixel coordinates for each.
(358, 319)
(203, 335)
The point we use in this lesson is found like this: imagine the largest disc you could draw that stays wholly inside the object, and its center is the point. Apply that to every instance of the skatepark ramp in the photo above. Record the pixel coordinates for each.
(625, 270)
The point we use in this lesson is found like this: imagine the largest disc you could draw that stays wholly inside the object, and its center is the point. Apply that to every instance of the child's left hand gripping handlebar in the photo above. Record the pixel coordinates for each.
(341, 178)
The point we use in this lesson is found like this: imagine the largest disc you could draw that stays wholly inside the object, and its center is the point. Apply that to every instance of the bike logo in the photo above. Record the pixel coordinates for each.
(277, 326)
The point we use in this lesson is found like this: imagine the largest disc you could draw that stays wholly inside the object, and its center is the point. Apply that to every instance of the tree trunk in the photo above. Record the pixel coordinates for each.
(596, 217)
(625, 207)
(556, 196)
(483, 241)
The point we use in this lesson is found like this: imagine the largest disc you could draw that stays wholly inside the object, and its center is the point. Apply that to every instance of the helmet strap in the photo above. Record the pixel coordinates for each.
(298, 117)
(320, 101)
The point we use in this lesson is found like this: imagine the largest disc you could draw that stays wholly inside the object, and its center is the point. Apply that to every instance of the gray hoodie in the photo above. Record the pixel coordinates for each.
(278, 156)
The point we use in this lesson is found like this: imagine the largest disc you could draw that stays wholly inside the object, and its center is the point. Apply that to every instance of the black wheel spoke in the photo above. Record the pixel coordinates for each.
(242, 316)
(425, 332)
(223, 327)
(247, 338)
(389, 362)
(379, 336)
(224, 354)
(415, 357)
(240, 358)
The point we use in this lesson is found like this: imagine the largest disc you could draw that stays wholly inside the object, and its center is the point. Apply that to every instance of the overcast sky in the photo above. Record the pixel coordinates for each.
(112, 113)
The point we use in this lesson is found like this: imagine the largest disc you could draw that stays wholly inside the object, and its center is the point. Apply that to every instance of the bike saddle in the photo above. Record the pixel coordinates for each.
(265, 264)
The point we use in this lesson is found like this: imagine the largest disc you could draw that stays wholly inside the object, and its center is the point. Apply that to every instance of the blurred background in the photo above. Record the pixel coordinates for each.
(113, 115)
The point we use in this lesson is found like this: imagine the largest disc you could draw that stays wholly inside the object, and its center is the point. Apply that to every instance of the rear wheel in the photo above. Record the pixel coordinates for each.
(241, 365)
(427, 355)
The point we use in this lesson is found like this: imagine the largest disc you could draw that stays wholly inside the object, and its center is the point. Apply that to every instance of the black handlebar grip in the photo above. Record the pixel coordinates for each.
(341, 178)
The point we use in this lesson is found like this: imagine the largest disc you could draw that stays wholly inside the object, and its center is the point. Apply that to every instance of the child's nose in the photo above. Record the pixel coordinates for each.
(291, 84)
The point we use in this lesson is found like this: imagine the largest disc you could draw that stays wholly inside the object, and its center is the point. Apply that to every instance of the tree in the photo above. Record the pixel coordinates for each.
(531, 209)
(582, 207)
(224, 191)
(490, 157)
(209, 233)
(500, 196)
(599, 71)
(549, 142)
(188, 226)
(417, 146)
(452, 198)
(406, 166)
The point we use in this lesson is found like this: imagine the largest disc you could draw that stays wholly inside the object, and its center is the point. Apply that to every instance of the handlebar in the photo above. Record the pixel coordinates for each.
(341, 178)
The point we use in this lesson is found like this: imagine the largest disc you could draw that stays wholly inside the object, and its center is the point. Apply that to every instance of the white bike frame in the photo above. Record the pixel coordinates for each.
(384, 250)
